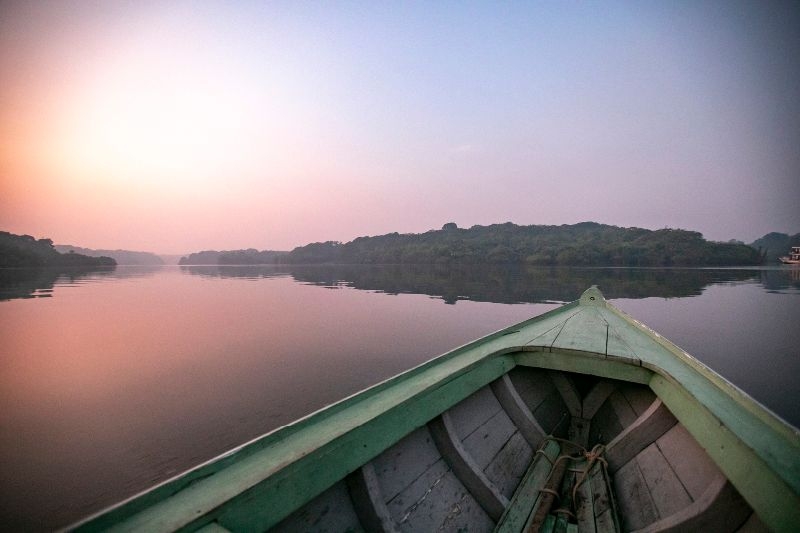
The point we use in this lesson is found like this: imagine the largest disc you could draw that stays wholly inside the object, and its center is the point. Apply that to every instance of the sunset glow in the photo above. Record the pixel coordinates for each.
(175, 127)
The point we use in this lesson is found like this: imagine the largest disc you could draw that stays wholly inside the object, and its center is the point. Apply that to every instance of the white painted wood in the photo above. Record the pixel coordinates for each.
(437, 500)
(330, 511)
(605, 522)
(651, 425)
(636, 506)
(400, 465)
(509, 465)
(568, 391)
(596, 397)
(719, 510)
(639, 397)
(584, 507)
(602, 500)
(368, 501)
(517, 411)
(664, 486)
(471, 413)
(605, 425)
(553, 415)
(579, 431)
(466, 469)
(688, 459)
(622, 408)
(533, 385)
(486, 441)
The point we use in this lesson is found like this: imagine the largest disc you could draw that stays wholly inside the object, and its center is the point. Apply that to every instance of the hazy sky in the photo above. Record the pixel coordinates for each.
(180, 126)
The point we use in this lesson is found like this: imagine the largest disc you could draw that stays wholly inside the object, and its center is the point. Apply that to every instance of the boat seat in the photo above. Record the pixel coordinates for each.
(568, 493)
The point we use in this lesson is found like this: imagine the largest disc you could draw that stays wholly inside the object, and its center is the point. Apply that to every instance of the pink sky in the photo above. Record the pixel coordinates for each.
(174, 127)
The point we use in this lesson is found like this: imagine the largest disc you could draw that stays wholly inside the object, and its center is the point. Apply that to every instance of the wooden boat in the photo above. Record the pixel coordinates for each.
(581, 419)
(793, 258)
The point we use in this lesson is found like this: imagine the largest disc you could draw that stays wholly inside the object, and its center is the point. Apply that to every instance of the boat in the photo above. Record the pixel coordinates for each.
(793, 258)
(581, 419)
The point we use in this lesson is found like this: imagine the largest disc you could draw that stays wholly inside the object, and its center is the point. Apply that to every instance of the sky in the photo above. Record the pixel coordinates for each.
(175, 127)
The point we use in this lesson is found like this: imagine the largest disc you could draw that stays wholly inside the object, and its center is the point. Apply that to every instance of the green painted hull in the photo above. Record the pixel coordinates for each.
(566, 372)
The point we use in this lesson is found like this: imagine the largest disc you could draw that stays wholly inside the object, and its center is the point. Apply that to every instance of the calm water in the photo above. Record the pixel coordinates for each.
(113, 381)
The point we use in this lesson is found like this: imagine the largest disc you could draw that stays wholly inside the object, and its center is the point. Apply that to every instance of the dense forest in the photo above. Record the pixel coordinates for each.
(250, 256)
(583, 244)
(774, 245)
(26, 251)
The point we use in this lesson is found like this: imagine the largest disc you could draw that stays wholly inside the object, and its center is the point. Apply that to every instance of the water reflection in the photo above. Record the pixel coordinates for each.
(39, 282)
(781, 279)
(243, 271)
(509, 284)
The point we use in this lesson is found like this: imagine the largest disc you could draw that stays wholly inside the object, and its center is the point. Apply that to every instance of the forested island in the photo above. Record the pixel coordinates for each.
(250, 256)
(583, 244)
(27, 251)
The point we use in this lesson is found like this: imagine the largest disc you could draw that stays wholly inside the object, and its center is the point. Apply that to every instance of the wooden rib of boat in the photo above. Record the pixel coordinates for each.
(581, 419)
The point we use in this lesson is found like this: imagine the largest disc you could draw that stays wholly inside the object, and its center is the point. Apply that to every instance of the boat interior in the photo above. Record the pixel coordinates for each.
(538, 450)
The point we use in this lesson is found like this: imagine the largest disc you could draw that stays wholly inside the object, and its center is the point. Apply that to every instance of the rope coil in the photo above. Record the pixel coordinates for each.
(592, 457)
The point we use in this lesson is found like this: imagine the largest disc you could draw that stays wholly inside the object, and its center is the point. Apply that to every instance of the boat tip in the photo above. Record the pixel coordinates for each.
(592, 296)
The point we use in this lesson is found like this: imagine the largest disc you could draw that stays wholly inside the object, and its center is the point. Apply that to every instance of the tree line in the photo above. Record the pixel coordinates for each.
(27, 251)
(583, 244)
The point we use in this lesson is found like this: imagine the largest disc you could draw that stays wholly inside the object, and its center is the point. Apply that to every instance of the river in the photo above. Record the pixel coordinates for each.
(112, 381)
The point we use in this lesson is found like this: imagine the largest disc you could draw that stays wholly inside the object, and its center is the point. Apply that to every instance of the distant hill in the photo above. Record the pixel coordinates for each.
(26, 251)
(170, 259)
(583, 244)
(773, 245)
(250, 256)
(122, 257)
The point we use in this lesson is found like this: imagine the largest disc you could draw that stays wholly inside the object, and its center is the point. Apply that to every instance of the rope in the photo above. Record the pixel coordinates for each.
(565, 441)
(592, 457)
(540, 451)
(550, 491)
(566, 512)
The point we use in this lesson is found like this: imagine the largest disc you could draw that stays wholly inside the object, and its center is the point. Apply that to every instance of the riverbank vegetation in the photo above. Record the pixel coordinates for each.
(583, 244)
(27, 251)
(250, 256)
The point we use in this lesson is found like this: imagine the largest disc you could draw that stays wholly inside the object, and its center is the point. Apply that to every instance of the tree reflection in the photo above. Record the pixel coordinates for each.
(38, 282)
(509, 284)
